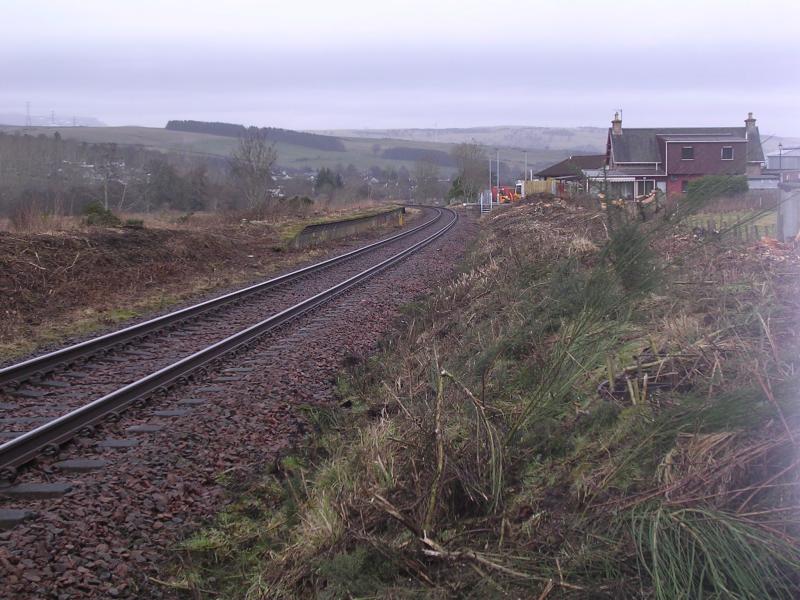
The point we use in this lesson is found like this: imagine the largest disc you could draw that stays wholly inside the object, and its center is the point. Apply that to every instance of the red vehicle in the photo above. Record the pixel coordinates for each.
(507, 194)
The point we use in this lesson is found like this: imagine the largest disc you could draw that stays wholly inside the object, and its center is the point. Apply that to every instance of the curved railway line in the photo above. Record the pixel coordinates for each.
(97, 379)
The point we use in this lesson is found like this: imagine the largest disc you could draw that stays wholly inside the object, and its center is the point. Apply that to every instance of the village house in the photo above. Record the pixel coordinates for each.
(640, 160)
(579, 169)
(573, 174)
(784, 164)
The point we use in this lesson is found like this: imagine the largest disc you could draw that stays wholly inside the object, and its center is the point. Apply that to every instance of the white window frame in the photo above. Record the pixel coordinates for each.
(722, 153)
(687, 148)
(643, 183)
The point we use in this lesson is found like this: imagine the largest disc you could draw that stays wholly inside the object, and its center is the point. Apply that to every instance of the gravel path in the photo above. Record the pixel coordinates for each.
(108, 536)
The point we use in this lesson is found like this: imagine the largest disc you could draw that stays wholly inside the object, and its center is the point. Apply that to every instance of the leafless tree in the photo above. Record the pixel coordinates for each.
(107, 167)
(471, 162)
(251, 168)
(426, 174)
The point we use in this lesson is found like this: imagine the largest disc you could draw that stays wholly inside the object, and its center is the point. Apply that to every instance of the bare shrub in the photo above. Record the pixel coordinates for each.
(27, 216)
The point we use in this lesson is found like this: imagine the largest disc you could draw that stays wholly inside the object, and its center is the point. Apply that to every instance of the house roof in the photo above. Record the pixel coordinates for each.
(570, 167)
(687, 137)
(640, 145)
(786, 152)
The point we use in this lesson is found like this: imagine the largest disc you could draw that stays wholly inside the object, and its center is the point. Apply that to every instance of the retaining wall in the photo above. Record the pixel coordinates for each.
(312, 235)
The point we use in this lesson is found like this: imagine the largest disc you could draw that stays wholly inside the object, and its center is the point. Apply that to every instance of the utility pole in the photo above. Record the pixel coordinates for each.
(490, 178)
(28, 122)
(498, 175)
(525, 177)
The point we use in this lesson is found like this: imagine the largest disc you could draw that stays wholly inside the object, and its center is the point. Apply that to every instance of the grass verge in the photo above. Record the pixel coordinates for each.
(591, 409)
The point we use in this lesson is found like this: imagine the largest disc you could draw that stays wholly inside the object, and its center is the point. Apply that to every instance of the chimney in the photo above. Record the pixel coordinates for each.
(750, 122)
(616, 125)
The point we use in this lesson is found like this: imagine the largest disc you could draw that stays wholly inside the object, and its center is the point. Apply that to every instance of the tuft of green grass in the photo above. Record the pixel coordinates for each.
(694, 553)
(359, 573)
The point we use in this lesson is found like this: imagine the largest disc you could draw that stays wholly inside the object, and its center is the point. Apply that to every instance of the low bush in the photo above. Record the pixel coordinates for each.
(97, 215)
(709, 187)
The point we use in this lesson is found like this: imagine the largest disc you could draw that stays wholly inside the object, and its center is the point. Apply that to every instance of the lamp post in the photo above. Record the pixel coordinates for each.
(780, 156)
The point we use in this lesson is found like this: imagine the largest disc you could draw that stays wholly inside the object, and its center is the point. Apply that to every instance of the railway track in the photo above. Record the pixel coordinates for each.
(133, 364)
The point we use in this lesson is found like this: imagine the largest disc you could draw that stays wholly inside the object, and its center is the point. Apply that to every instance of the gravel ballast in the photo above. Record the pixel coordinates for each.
(112, 532)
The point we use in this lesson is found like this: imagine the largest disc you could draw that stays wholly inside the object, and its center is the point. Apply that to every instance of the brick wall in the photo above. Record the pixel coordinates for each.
(707, 159)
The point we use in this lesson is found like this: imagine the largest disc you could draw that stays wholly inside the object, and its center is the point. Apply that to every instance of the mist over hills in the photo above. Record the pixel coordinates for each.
(567, 140)
(578, 139)
(296, 150)
(19, 119)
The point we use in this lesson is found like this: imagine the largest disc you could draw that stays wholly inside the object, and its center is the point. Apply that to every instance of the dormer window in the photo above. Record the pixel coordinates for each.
(687, 153)
(727, 153)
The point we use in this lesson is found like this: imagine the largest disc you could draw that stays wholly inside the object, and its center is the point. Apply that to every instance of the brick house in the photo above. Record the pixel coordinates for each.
(640, 160)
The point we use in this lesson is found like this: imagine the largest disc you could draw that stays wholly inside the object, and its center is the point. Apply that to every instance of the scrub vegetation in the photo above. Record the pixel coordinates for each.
(99, 271)
(592, 408)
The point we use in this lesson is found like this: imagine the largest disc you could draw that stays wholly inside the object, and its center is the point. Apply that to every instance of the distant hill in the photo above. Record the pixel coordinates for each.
(438, 157)
(288, 136)
(572, 139)
(568, 140)
(363, 153)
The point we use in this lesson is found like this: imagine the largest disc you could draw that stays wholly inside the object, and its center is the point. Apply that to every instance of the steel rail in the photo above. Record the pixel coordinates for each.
(54, 433)
(40, 365)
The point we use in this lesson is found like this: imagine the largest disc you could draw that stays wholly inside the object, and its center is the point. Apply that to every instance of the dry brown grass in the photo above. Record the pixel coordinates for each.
(492, 466)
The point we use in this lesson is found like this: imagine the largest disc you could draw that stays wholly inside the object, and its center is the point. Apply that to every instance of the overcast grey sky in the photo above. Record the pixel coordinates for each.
(418, 63)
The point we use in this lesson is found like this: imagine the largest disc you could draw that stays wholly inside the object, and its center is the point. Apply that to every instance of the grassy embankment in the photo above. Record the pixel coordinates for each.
(75, 280)
(591, 409)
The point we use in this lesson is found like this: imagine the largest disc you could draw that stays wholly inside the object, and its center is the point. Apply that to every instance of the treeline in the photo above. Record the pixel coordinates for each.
(51, 175)
(46, 176)
(273, 134)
